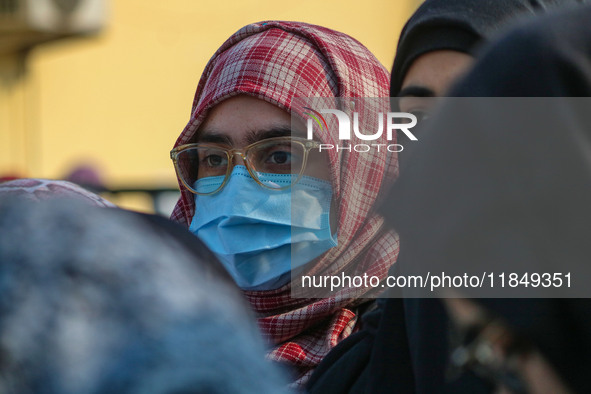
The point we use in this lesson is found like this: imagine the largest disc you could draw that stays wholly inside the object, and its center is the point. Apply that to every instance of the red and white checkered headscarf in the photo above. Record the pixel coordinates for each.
(277, 62)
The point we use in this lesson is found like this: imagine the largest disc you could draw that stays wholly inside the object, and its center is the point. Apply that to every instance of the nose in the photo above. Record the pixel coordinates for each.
(238, 159)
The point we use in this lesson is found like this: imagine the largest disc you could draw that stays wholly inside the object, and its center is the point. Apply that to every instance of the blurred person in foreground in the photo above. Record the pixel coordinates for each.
(239, 158)
(96, 301)
(506, 188)
(38, 189)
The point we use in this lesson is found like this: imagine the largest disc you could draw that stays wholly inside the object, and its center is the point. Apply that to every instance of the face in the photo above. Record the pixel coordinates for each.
(243, 120)
(429, 76)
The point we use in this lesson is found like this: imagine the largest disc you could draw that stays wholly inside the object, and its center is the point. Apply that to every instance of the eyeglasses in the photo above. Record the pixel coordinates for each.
(278, 155)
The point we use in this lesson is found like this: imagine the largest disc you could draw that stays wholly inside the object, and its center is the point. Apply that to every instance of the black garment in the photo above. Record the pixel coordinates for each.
(402, 348)
(447, 178)
(357, 366)
(459, 25)
(488, 187)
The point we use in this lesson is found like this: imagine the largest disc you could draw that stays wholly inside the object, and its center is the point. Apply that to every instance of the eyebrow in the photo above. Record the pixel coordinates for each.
(258, 135)
(213, 136)
(416, 91)
(218, 137)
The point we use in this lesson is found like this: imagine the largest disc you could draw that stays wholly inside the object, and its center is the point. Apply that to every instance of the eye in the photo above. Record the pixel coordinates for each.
(214, 160)
(420, 107)
(279, 157)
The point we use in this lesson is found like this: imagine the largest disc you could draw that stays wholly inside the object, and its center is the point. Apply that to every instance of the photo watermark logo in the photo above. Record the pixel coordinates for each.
(346, 129)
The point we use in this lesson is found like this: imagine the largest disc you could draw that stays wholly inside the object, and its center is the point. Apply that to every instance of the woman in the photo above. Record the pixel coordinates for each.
(438, 44)
(246, 95)
(403, 346)
(521, 206)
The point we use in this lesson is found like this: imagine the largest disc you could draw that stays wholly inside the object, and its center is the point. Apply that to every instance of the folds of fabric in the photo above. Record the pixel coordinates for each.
(459, 25)
(524, 181)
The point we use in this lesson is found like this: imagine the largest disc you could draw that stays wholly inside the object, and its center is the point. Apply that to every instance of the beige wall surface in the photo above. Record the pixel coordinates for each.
(118, 100)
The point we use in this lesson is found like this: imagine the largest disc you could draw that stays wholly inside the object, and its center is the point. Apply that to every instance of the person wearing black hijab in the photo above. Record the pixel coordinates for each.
(404, 343)
(439, 41)
(507, 186)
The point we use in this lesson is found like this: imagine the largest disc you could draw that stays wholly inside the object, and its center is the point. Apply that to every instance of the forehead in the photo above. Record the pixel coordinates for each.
(437, 70)
(239, 115)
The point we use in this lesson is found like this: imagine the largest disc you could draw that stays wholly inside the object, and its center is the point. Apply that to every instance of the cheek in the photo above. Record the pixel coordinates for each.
(334, 216)
(318, 165)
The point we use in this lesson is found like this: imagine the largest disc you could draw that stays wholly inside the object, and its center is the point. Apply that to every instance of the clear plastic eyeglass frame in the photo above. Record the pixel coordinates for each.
(306, 144)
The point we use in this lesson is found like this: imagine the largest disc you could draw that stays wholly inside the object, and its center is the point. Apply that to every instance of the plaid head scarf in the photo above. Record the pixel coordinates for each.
(277, 62)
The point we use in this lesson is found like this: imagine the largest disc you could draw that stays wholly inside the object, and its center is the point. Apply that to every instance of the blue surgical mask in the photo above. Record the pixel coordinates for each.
(258, 234)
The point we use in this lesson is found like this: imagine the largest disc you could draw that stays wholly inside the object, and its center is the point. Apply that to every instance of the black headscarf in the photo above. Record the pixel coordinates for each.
(459, 25)
(403, 346)
(480, 190)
